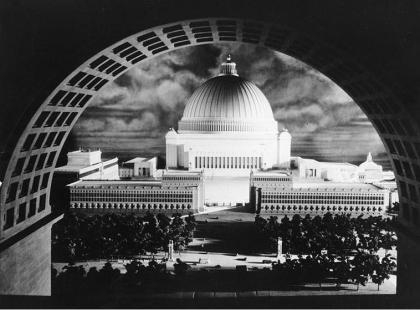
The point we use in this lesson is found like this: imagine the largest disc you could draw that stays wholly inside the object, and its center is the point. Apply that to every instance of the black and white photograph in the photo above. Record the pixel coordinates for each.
(216, 154)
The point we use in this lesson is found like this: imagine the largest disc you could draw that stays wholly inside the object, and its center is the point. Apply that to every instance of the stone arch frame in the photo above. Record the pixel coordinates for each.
(28, 176)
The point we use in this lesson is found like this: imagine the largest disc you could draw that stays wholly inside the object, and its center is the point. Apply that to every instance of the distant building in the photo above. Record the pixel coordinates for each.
(81, 165)
(279, 193)
(139, 167)
(366, 172)
(175, 192)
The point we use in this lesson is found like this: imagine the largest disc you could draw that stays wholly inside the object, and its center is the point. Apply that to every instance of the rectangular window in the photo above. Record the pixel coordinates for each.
(12, 192)
(70, 119)
(413, 193)
(31, 163)
(40, 140)
(22, 212)
(50, 160)
(10, 218)
(45, 180)
(407, 169)
(59, 138)
(50, 139)
(35, 184)
(51, 119)
(19, 166)
(28, 142)
(32, 207)
(40, 121)
(41, 161)
(42, 203)
(24, 188)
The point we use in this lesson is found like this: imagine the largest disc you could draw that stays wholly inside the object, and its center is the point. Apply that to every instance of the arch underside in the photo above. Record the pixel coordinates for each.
(27, 181)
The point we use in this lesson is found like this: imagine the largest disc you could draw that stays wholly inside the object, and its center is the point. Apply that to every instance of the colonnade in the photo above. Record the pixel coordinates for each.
(227, 162)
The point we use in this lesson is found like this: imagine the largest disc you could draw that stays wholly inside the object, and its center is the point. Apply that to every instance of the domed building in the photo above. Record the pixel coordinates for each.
(227, 127)
(369, 171)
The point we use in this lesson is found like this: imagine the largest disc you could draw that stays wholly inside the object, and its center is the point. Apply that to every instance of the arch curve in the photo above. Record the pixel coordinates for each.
(47, 130)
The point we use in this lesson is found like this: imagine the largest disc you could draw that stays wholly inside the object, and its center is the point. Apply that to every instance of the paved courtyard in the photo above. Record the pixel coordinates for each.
(226, 190)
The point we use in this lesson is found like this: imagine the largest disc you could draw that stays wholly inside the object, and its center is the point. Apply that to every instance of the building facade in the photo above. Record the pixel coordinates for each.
(282, 194)
(174, 193)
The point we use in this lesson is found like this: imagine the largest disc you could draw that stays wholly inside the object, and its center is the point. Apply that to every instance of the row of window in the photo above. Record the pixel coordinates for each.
(23, 188)
(411, 149)
(332, 201)
(11, 217)
(180, 178)
(54, 139)
(99, 196)
(227, 162)
(33, 164)
(55, 119)
(222, 126)
(321, 208)
(270, 179)
(132, 206)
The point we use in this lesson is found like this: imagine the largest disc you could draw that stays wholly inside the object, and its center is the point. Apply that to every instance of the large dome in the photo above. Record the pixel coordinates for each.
(228, 103)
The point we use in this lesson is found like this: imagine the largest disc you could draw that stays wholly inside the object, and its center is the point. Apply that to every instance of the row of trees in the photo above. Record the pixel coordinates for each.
(78, 236)
(339, 234)
(341, 269)
(75, 281)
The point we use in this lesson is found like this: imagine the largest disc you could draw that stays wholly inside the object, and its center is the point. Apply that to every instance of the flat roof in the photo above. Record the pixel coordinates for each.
(122, 183)
(300, 183)
(135, 160)
(179, 172)
(79, 168)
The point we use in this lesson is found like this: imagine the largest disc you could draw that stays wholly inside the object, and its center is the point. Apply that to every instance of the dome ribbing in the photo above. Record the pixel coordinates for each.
(228, 103)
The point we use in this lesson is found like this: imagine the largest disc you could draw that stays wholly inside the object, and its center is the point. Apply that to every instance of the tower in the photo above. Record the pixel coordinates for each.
(284, 143)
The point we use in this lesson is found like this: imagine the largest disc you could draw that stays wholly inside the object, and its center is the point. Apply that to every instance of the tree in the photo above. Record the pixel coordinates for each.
(383, 269)
(177, 232)
(359, 268)
(342, 270)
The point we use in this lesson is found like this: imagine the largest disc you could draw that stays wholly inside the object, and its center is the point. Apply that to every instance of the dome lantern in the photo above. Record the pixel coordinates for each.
(228, 67)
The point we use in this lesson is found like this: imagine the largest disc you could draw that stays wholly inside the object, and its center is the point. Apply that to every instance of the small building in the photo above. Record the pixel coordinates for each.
(139, 167)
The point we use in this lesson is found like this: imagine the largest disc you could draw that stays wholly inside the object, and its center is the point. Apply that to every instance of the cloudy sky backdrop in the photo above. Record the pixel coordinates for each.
(131, 116)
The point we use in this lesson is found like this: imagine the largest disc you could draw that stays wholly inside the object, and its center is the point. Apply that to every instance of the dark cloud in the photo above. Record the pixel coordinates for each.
(147, 100)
